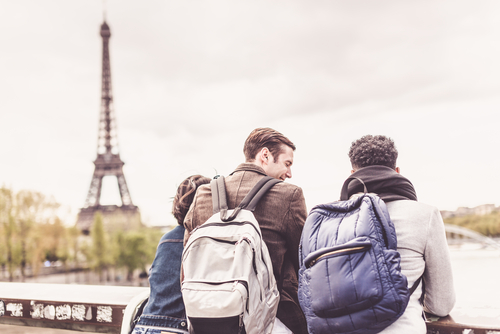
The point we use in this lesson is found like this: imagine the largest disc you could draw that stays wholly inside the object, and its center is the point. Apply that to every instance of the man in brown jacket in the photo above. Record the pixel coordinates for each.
(281, 213)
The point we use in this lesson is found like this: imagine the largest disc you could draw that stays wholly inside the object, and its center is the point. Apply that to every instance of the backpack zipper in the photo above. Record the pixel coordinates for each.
(245, 284)
(232, 243)
(269, 283)
(214, 239)
(253, 252)
(225, 224)
(222, 240)
(339, 251)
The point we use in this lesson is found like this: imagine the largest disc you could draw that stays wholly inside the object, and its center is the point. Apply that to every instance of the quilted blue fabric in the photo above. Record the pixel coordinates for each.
(350, 277)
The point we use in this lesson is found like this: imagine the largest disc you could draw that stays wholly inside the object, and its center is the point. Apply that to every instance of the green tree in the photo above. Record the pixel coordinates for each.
(72, 246)
(11, 256)
(100, 255)
(54, 236)
(132, 252)
(135, 249)
(37, 248)
(31, 208)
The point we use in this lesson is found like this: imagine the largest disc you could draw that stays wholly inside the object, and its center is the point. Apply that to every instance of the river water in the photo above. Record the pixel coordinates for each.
(476, 273)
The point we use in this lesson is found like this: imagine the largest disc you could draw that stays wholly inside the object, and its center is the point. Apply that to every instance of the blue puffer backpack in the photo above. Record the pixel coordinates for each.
(350, 278)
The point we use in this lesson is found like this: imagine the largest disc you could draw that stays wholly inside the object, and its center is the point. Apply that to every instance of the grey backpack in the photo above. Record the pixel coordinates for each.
(229, 285)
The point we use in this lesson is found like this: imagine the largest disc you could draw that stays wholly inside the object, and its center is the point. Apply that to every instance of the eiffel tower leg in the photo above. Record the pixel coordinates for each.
(122, 185)
(94, 194)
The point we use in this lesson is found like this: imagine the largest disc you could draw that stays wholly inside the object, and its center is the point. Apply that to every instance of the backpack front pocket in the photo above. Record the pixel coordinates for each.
(343, 279)
(216, 305)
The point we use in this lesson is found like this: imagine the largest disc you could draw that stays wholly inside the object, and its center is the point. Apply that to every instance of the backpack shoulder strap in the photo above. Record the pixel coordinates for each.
(219, 200)
(414, 286)
(254, 195)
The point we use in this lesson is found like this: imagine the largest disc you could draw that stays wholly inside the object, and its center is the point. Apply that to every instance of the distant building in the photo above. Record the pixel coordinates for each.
(464, 211)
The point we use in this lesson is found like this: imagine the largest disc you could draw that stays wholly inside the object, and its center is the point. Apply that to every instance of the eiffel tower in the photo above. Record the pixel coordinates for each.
(108, 161)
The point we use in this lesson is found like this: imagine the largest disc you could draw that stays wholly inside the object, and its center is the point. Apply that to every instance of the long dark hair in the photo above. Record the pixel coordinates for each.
(185, 195)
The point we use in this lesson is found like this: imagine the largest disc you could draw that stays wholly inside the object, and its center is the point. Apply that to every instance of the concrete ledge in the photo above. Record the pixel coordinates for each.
(101, 309)
(90, 308)
(447, 325)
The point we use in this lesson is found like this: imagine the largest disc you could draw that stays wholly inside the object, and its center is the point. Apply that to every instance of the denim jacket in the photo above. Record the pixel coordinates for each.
(165, 308)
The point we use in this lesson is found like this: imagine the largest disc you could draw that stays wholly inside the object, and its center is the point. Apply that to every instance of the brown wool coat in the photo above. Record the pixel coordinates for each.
(281, 214)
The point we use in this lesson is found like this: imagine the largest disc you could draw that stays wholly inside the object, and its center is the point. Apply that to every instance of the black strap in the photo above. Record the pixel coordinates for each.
(414, 286)
(137, 316)
(252, 198)
(219, 200)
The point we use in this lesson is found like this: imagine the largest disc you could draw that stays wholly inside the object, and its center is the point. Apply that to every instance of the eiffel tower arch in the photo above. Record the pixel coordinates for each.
(108, 162)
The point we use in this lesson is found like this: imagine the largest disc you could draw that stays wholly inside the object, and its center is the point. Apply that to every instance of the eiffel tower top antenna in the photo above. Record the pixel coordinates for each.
(104, 10)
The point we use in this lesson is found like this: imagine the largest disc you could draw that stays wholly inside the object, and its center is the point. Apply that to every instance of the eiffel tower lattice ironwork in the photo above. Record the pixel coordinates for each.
(108, 161)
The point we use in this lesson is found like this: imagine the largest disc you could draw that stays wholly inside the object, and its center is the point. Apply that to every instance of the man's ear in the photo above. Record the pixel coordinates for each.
(264, 155)
(352, 171)
(398, 170)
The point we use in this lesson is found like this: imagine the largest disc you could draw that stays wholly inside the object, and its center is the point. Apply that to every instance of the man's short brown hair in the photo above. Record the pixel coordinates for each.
(265, 137)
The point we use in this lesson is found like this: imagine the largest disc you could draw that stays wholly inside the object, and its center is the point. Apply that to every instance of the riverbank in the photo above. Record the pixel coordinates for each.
(111, 277)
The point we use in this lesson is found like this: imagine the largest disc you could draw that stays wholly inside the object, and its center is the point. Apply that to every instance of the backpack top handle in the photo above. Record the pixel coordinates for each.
(344, 194)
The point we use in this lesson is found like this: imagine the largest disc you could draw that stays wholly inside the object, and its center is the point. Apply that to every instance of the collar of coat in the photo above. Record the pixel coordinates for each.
(248, 166)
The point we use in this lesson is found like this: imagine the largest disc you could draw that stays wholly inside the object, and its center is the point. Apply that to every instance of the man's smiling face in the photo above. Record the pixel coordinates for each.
(280, 167)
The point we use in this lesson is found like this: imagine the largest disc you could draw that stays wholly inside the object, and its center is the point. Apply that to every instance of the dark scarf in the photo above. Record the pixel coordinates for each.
(381, 180)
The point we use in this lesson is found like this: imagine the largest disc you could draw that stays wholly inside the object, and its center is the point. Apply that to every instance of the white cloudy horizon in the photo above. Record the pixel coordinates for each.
(191, 79)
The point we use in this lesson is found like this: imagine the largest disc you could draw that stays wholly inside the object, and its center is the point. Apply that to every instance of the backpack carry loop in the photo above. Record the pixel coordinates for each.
(219, 200)
(346, 185)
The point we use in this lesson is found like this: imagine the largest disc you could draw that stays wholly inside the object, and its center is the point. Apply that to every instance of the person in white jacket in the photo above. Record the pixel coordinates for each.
(419, 229)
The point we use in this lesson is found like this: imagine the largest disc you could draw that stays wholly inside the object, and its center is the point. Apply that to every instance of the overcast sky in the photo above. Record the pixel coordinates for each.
(191, 79)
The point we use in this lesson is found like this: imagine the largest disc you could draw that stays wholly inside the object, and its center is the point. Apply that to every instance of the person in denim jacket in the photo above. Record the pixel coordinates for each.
(164, 312)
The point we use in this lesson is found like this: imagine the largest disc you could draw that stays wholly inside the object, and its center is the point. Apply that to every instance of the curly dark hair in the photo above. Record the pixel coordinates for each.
(185, 195)
(373, 150)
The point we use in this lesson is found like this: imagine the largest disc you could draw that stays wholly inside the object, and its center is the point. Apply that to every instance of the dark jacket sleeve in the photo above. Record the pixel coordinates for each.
(294, 221)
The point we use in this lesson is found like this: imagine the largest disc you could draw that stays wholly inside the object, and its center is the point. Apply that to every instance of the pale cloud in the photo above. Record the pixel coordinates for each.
(191, 79)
